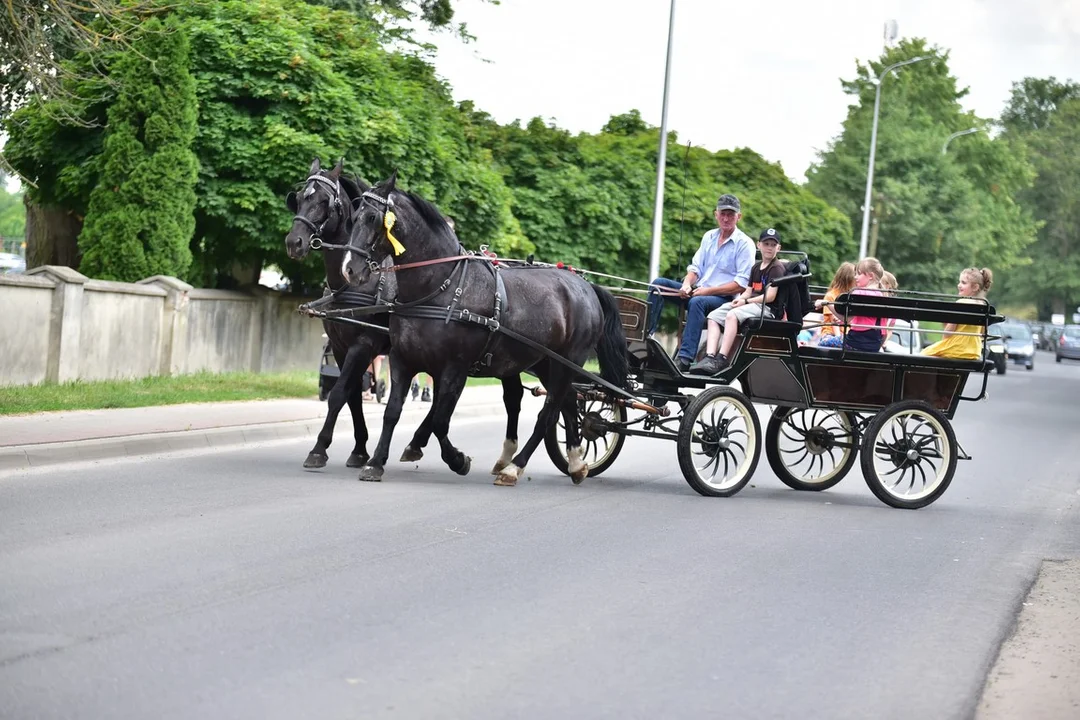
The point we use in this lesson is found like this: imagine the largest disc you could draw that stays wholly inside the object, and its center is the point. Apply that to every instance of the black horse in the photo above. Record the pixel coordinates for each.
(321, 214)
(555, 308)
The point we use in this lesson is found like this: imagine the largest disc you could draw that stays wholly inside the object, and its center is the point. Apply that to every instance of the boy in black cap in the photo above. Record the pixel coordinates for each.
(749, 304)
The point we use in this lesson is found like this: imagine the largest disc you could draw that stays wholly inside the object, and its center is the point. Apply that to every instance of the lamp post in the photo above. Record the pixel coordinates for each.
(873, 148)
(661, 163)
(956, 135)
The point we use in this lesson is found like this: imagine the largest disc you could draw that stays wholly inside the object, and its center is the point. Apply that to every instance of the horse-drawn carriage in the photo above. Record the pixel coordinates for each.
(465, 313)
(832, 406)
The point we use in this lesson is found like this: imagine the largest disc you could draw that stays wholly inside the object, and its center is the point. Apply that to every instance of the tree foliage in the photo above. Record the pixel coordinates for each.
(936, 212)
(588, 199)
(1043, 116)
(12, 213)
(140, 217)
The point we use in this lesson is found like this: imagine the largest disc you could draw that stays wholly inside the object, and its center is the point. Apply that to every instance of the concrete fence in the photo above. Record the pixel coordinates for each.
(57, 325)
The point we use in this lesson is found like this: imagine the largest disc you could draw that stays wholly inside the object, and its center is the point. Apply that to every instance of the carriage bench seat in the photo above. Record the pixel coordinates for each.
(921, 361)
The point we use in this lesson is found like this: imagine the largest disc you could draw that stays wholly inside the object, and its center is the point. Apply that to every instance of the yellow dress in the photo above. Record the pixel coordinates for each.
(961, 347)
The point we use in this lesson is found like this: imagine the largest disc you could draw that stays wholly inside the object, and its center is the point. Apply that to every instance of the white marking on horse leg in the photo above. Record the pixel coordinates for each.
(508, 451)
(509, 476)
(345, 264)
(574, 461)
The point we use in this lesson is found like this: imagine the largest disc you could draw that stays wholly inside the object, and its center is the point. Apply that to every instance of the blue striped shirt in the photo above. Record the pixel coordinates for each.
(718, 263)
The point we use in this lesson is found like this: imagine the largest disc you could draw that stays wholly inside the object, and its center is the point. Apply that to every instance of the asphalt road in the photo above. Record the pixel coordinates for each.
(233, 584)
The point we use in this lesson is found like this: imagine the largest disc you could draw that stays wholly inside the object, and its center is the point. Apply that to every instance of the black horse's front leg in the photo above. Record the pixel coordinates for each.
(399, 386)
(415, 449)
(347, 386)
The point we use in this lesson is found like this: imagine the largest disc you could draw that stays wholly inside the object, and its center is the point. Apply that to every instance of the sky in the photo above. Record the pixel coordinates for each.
(764, 75)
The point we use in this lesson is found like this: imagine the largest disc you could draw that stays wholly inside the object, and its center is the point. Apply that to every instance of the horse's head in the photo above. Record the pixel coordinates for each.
(374, 217)
(318, 211)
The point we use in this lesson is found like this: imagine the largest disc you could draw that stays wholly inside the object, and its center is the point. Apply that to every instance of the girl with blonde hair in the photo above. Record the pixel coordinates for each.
(964, 342)
(843, 281)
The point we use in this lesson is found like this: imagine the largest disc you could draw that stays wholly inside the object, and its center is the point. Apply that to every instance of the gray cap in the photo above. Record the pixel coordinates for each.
(728, 202)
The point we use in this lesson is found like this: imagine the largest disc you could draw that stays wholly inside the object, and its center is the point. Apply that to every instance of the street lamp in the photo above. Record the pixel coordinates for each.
(658, 210)
(873, 148)
(956, 135)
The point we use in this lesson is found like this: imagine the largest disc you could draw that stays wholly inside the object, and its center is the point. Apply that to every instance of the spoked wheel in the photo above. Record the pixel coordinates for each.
(599, 444)
(719, 442)
(811, 449)
(909, 454)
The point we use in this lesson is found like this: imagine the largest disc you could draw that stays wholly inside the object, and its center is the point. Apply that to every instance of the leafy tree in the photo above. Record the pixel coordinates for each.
(936, 213)
(1043, 116)
(140, 214)
(12, 213)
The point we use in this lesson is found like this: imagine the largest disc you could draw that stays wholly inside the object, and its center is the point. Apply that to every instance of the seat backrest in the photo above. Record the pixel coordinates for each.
(916, 309)
(796, 293)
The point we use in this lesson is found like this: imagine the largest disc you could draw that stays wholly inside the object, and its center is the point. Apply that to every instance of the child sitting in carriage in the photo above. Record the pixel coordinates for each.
(964, 342)
(749, 304)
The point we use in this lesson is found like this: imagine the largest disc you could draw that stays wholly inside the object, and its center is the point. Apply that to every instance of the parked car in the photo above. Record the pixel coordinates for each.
(1039, 332)
(12, 263)
(1019, 347)
(1068, 343)
(995, 347)
(903, 339)
(1052, 336)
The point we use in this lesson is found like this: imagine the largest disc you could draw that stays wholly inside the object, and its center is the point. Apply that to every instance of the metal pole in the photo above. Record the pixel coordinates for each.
(956, 135)
(658, 210)
(870, 175)
(873, 150)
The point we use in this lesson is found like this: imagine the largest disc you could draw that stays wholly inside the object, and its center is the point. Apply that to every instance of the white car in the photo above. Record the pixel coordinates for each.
(902, 340)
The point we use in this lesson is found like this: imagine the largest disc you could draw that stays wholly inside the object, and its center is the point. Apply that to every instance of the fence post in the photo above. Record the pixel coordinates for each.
(264, 331)
(65, 322)
(174, 322)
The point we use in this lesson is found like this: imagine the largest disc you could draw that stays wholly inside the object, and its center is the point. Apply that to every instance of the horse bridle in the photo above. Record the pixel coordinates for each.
(316, 241)
(366, 253)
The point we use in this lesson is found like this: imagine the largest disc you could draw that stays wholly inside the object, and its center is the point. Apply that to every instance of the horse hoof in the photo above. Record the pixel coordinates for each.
(508, 477)
(578, 476)
(315, 461)
(355, 460)
(466, 465)
(499, 467)
(370, 473)
(411, 454)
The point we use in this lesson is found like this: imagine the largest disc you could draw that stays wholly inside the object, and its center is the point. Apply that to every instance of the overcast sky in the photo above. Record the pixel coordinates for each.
(764, 75)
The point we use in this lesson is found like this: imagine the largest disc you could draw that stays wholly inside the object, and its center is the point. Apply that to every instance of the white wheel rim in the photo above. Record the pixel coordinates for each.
(724, 443)
(806, 444)
(912, 455)
(593, 452)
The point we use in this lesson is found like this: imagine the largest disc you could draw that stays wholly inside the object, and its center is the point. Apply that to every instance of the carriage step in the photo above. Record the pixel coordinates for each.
(961, 454)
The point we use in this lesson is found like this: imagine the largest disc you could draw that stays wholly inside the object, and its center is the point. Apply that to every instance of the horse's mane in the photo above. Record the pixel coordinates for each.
(429, 214)
(352, 190)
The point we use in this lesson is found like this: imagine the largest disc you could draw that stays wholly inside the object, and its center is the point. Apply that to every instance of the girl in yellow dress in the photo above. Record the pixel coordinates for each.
(973, 286)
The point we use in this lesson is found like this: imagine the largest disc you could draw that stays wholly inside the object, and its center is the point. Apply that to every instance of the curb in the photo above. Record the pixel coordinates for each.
(25, 457)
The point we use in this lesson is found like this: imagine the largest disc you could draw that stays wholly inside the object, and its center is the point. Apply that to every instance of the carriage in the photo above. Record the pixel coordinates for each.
(833, 407)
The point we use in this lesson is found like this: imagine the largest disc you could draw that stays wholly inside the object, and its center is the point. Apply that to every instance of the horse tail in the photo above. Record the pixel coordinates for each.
(611, 349)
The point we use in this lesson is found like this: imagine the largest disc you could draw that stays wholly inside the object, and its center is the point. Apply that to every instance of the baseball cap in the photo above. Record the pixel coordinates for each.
(770, 234)
(728, 202)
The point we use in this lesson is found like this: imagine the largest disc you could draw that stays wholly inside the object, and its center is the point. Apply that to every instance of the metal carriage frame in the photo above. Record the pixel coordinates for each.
(832, 407)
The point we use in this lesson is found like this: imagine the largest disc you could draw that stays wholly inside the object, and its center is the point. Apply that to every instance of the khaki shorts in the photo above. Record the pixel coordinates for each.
(743, 312)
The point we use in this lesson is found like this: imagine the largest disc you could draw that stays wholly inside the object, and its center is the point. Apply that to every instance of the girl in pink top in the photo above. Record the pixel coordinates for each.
(863, 335)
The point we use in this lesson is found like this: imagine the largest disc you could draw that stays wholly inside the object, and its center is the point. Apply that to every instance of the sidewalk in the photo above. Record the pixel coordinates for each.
(28, 441)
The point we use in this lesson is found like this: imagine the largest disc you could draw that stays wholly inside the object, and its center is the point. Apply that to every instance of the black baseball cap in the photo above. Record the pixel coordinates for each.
(770, 234)
(728, 202)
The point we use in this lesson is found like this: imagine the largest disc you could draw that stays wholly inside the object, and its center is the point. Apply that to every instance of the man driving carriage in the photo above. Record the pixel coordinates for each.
(719, 270)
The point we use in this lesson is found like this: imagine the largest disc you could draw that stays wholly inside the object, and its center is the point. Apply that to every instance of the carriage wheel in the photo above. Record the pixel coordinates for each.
(811, 449)
(718, 444)
(599, 445)
(909, 454)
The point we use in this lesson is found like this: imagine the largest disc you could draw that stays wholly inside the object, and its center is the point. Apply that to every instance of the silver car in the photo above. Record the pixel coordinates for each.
(1068, 343)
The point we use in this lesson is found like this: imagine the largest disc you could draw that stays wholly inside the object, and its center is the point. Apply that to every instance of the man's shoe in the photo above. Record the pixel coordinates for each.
(682, 364)
(426, 396)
